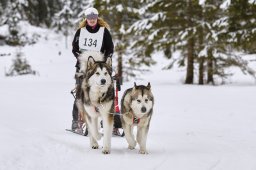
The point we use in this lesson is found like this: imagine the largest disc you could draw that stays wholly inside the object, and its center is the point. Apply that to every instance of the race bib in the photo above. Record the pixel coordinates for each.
(91, 41)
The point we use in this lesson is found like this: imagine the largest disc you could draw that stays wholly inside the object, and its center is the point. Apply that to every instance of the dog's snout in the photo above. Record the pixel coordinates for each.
(143, 109)
(103, 81)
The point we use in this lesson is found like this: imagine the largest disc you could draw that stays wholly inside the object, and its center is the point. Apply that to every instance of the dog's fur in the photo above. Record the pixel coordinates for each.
(95, 97)
(137, 104)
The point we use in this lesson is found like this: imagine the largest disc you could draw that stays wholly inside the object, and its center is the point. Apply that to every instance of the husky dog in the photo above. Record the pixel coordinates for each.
(137, 109)
(95, 98)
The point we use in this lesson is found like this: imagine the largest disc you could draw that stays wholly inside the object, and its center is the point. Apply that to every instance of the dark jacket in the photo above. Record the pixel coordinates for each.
(107, 45)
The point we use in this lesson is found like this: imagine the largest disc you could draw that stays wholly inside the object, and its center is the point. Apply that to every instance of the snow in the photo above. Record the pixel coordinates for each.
(119, 8)
(4, 30)
(225, 4)
(201, 2)
(193, 127)
(252, 1)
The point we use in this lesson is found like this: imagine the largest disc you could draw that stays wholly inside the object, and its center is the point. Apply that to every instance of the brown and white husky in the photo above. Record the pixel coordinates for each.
(137, 109)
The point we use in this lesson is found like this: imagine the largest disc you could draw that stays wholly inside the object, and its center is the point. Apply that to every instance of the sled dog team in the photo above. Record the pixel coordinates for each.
(95, 99)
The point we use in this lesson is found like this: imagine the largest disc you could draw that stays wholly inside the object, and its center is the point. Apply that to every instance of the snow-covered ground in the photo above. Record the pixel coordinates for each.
(193, 127)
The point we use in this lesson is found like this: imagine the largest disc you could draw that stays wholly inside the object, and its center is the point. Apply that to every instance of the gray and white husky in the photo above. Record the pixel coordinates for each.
(137, 109)
(95, 97)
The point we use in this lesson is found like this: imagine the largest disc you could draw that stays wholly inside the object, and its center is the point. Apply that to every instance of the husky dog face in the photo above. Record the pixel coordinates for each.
(142, 100)
(99, 73)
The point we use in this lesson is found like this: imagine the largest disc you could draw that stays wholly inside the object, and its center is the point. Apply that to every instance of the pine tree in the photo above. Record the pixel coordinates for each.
(169, 26)
(78, 8)
(198, 31)
(142, 44)
(65, 18)
(208, 39)
(242, 32)
(41, 13)
(20, 66)
(1, 12)
(12, 21)
(220, 39)
(121, 16)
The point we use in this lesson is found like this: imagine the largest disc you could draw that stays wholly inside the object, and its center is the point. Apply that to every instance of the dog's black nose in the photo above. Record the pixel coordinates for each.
(103, 81)
(143, 109)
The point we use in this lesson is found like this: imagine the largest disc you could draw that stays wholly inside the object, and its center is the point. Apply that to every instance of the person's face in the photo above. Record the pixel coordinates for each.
(92, 22)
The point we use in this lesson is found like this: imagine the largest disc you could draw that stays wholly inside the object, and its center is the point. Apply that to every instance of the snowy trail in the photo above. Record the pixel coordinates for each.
(181, 137)
(193, 127)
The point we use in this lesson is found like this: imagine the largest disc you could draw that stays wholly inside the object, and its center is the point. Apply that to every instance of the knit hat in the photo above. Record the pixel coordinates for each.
(91, 13)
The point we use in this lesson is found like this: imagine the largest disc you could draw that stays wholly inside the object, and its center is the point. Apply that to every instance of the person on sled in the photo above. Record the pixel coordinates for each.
(99, 29)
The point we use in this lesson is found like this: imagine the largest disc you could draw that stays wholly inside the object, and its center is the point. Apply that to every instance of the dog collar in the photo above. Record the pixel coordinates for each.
(136, 120)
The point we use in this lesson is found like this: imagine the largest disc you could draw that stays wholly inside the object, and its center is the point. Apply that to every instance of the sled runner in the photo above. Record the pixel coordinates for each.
(78, 133)
(120, 134)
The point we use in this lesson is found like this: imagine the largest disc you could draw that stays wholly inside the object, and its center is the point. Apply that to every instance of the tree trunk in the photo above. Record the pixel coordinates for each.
(190, 62)
(210, 67)
(201, 71)
(201, 59)
(120, 68)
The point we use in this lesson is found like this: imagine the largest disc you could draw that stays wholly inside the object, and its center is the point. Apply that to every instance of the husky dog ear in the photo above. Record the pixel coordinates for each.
(109, 61)
(90, 62)
(149, 86)
(134, 87)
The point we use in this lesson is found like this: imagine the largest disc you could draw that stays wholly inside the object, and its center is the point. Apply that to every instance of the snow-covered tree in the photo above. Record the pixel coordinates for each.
(198, 29)
(20, 66)
(143, 32)
(120, 16)
(78, 7)
(65, 19)
(167, 26)
(1, 11)
(12, 20)
(242, 25)
(41, 12)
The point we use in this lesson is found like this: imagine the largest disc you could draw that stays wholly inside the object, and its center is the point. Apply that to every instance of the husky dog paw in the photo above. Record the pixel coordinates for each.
(94, 144)
(106, 151)
(132, 145)
(95, 147)
(143, 152)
